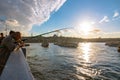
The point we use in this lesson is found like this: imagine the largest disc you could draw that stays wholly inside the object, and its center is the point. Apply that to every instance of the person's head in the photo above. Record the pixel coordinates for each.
(11, 32)
(17, 35)
(1, 35)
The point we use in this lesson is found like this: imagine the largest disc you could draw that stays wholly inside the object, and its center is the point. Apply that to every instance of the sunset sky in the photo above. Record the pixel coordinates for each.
(85, 18)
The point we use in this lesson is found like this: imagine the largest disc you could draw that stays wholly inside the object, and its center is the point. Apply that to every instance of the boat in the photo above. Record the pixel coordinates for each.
(16, 67)
(45, 43)
(118, 49)
(113, 44)
(27, 44)
(67, 44)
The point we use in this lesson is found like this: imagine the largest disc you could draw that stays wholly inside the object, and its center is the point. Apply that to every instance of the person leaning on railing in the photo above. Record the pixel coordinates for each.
(18, 41)
(7, 46)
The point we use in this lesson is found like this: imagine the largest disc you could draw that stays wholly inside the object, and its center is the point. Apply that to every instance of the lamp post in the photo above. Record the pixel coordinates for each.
(5, 28)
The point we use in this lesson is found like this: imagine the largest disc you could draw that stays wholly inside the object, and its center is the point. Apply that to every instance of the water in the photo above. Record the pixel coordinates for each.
(90, 61)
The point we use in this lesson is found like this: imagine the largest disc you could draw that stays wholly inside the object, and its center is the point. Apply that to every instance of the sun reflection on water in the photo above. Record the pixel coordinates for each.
(85, 55)
(86, 51)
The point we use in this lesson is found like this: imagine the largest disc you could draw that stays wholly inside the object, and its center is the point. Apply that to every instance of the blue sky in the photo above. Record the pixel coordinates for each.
(88, 18)
(104, 13)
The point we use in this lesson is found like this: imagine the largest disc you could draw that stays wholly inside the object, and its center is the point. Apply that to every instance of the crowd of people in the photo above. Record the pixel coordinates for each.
(7, 45)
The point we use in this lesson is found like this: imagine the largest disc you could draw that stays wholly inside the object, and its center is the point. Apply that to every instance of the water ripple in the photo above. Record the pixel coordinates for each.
(90, 61)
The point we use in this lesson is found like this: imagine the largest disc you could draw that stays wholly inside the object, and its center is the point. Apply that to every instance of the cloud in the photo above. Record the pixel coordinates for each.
(111, 34)
(95, 31)
(12, 23)
(116, 14)
(25, 13)
(105, 19)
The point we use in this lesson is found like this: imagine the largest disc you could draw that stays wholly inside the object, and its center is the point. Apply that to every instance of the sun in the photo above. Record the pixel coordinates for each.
(85, 27)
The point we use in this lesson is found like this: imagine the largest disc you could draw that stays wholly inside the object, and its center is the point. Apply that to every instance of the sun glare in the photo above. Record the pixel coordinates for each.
(85, 27)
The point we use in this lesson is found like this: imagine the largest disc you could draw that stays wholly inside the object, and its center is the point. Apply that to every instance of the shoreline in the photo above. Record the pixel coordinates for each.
(68, 39)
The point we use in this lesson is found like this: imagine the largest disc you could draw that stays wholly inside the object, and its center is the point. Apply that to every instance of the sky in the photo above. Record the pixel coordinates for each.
(84, 18)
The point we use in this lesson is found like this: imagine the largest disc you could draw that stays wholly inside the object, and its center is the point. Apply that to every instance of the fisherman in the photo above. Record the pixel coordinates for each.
(8, 45)
(18, 39)
(1, 37)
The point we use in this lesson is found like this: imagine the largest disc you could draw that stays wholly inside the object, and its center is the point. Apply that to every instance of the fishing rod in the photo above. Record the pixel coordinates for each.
(54, 31)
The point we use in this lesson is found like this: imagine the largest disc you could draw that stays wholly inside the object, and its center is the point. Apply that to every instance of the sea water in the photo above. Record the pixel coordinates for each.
(89, 61)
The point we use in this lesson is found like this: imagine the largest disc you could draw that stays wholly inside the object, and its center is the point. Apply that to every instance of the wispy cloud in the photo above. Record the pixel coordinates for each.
(28, 12)
(116, 14)
(95, 31)
(104, 19)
